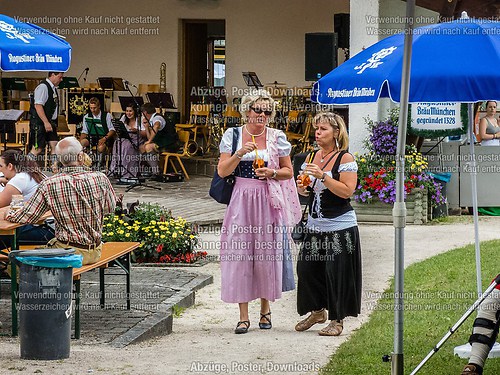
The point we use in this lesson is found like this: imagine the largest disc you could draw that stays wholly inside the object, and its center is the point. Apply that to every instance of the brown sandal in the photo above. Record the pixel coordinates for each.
(313, 318)
(335, 328)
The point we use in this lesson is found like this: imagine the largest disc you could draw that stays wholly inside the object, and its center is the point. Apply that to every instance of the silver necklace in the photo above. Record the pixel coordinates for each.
(324, 156)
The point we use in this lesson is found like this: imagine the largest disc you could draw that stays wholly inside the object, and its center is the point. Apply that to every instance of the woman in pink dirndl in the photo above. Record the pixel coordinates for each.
(255, 240)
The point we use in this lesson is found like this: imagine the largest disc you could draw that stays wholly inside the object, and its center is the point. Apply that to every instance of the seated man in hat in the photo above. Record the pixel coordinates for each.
(78, 199)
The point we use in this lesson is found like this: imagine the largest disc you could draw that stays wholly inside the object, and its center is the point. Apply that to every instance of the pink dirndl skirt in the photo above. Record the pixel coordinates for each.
(251, 246)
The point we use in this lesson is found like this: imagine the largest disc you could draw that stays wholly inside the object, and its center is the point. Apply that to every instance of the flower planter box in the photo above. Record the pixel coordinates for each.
(380, 212)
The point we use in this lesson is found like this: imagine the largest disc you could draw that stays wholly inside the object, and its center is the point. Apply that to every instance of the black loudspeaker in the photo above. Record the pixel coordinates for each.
(321, 54)
(341, 23)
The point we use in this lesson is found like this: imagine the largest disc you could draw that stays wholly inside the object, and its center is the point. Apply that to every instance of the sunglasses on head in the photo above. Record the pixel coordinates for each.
(260, 110)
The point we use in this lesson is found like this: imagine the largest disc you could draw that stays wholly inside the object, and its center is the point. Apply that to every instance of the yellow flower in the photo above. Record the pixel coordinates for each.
(127, 235)
(162, 236)
(153, 222)
(174, 235)
(110, 233)
(363, 160)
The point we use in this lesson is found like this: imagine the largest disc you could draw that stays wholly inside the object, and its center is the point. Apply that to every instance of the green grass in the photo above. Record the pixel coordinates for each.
(438, 291)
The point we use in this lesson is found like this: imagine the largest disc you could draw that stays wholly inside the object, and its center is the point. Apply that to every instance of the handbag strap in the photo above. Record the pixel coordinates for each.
(236, 135)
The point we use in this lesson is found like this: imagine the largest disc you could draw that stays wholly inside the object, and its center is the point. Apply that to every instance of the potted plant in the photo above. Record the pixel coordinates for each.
(376, 189)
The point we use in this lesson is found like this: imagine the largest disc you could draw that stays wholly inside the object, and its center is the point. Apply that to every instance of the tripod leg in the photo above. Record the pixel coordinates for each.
(464, 317)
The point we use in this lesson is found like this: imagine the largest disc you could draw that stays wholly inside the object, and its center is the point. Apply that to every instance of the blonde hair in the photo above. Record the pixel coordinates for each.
(336, 122)
(251, 98)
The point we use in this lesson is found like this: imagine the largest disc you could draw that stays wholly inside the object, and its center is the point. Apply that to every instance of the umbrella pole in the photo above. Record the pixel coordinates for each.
(2, 104)
(473, 177)
(399, 210)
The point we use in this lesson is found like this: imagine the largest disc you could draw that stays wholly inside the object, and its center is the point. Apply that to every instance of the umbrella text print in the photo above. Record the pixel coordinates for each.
(12, 33)
(375, 60)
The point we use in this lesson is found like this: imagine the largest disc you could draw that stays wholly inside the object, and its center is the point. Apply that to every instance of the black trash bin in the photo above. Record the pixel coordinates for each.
(45, 296)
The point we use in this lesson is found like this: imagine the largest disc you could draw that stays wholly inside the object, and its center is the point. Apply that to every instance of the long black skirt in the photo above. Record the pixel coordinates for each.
(329, 273)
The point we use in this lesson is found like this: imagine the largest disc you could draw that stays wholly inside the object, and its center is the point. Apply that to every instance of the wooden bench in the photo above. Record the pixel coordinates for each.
(113, 253)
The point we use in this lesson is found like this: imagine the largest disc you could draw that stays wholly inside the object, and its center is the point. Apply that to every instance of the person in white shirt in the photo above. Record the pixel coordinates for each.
(21, 176)
(102, 133)
(44, 111)
(161, 136)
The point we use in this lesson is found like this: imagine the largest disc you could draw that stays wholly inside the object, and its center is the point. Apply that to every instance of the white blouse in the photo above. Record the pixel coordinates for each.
(226, 145)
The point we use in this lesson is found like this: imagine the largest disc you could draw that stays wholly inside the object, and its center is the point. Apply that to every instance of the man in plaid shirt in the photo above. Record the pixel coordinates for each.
(78, 199)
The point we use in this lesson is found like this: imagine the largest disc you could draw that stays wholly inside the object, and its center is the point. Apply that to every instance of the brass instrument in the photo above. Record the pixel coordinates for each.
(163, 77)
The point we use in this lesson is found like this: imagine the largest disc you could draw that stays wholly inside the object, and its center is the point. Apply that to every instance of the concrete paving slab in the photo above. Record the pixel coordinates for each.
(154, 292)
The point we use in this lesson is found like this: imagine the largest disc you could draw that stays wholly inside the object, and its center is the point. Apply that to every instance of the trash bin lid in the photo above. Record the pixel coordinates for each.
(48, 258)
(46, 253)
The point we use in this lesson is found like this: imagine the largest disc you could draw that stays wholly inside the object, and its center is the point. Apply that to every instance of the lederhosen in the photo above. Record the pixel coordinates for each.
(167, 137)
(37, 128)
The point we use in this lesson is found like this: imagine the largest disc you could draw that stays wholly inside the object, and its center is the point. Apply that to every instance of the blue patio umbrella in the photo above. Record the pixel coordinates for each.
(451, 62)
(448, 62)
(27, 47)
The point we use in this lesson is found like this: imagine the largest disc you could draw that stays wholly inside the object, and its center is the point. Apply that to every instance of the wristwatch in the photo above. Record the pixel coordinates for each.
(323, 177)
(275, 173)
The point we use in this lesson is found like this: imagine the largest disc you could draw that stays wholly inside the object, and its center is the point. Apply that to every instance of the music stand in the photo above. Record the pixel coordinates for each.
(122, 133)
(8, 116)
(111, 83)
(136, 102)
(161, 100)
(130, 101)
(251, 79)
(13, 84)
(120, 129)
(95, 131)
(68, 83)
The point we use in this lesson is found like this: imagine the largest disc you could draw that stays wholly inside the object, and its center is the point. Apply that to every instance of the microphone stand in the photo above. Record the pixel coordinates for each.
(139, 125)
(123, 135)
(86, 71)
